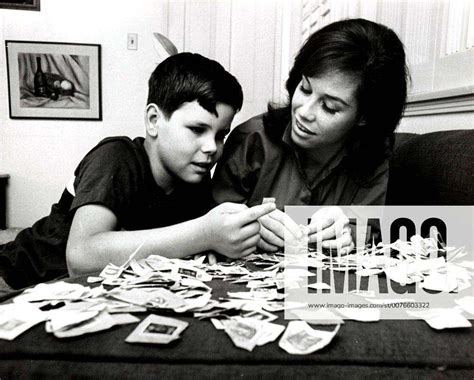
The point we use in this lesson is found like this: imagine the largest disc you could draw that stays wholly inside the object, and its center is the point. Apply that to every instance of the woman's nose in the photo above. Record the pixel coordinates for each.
(307, 111)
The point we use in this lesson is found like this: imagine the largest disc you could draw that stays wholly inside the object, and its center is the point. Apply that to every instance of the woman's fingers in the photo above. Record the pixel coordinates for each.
(265, 246)
(267, 232)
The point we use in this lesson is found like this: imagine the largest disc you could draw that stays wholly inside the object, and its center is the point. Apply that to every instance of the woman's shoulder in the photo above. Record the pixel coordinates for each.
(267, 127)
(378, 175)
(254, 125)
(252, 141)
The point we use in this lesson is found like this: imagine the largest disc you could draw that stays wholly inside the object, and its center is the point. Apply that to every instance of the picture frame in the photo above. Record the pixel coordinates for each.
(26, 5)
(54, 80)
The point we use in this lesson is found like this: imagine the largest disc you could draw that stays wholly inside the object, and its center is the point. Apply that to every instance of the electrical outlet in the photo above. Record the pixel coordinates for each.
(132, 41)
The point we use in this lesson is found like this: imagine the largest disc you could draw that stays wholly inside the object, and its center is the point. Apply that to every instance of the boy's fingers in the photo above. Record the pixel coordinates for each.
(248, 230)
(255, 212)
(211, 258)
(232, 208)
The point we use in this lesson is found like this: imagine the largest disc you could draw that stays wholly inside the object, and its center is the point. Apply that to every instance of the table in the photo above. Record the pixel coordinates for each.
(3, 201)
(381, 349)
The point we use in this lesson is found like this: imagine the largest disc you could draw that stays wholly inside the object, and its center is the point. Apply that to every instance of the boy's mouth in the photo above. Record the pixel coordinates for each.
(203, 166)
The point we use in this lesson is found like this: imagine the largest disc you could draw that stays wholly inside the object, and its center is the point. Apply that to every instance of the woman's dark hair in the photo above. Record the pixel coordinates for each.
(375, 55)
(186, 77)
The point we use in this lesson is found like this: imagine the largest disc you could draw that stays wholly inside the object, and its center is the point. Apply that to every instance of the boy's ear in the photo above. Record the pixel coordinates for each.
(361, 121)
(153, 115)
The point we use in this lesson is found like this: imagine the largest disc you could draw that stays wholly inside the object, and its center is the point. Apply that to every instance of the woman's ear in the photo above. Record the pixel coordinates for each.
(153, 115)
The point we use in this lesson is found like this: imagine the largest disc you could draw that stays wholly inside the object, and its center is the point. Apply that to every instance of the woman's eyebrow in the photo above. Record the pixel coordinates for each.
(337, 99)
(331, 97)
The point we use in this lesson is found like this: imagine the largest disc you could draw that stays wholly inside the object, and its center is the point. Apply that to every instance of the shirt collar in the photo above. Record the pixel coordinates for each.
(330, 167)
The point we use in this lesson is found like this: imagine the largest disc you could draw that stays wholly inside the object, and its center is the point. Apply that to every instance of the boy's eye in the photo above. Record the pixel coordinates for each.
(329, 110)
(197, 130)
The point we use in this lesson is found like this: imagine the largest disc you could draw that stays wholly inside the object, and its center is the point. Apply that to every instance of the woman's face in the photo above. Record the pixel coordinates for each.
(324, 110)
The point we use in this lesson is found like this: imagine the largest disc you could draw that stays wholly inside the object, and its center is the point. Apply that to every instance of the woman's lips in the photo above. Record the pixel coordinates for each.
(304, 129)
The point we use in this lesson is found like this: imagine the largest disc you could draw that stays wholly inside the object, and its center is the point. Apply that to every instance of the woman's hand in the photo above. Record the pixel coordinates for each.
(273, 228)
(330, 226)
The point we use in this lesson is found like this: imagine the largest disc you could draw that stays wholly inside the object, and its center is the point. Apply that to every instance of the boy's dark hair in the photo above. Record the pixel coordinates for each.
(186, 77)
(373, 54)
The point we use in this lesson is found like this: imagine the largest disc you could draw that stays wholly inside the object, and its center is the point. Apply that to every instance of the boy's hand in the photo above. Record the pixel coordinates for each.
(330, 226)
(274, 226)
(233, 229)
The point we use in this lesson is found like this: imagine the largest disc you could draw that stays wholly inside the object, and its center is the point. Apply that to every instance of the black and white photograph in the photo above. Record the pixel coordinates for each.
(236, 189)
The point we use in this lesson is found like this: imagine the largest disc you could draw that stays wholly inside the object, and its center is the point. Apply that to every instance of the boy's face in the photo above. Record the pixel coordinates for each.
(189, 143)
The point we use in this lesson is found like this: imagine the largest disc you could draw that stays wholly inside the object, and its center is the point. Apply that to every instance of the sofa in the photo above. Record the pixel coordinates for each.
(435, 168)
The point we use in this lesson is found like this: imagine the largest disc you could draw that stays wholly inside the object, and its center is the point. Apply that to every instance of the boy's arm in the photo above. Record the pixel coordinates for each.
(230, 229)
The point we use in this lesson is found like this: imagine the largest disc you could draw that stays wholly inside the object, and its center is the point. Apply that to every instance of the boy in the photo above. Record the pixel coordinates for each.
(149, 193)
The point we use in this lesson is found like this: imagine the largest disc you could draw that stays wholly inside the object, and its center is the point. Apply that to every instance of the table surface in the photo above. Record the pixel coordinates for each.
(394, 348)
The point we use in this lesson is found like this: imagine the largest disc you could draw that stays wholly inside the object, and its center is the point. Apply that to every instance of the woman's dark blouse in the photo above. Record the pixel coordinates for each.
(256, 164)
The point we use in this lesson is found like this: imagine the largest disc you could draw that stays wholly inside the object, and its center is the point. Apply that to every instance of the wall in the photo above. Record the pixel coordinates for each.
(40, 156)
(254, 39)
(439, 42)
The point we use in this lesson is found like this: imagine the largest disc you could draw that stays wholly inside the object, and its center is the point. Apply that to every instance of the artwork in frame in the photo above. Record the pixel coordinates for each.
(27, 5)
(54, 80)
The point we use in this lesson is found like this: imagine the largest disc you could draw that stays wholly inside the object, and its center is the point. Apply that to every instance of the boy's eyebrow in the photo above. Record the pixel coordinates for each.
(198, 124)
(204, 125)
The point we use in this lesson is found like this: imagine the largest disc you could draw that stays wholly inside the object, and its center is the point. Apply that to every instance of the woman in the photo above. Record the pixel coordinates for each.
(330, 144)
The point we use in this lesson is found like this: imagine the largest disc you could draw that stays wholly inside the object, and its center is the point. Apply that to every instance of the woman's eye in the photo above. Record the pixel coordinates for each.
(305, 90)
(330, 110)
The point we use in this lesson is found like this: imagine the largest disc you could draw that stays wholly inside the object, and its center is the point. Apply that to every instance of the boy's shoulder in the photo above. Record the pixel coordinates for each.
(117, 148)
(115, 153)
(119, 143)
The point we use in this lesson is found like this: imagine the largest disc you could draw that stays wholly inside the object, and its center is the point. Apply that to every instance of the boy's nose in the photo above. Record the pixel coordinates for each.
(209, 146)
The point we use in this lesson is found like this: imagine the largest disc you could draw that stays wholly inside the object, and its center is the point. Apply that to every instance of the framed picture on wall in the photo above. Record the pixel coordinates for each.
(54, 80)
(27, 5)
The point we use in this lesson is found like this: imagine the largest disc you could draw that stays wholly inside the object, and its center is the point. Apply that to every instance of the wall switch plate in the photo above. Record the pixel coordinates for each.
(132, 41)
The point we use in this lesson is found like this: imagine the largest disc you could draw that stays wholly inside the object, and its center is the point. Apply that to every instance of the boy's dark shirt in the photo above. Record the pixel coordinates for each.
(115, 174)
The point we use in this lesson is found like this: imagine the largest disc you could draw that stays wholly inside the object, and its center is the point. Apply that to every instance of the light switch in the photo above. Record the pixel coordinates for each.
(132, 41)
